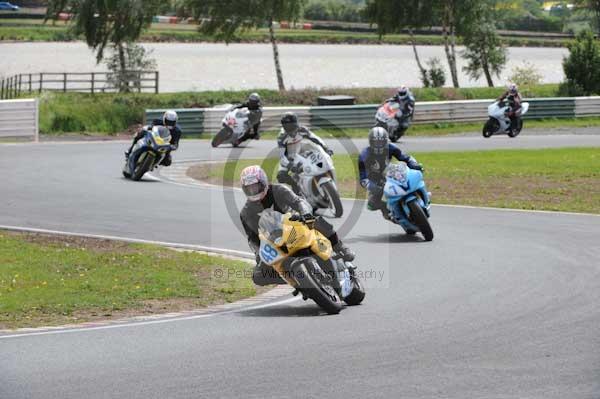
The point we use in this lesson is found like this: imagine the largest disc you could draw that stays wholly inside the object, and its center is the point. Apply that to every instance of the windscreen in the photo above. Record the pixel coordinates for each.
(270, 224)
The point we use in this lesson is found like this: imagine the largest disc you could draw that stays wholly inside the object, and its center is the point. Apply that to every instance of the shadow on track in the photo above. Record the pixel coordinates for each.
(386, 239)
(308, 309)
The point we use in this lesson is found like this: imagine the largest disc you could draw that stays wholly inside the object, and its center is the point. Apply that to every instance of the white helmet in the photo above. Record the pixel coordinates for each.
(402, 92)
(170, 119)
(513, 89)
(255, 183)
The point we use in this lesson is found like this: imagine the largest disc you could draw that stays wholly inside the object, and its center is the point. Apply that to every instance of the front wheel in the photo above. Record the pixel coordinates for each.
(333, 195)
(419, 218)
(143, 167)
(323, 295)
(220, 137)
(489, 128)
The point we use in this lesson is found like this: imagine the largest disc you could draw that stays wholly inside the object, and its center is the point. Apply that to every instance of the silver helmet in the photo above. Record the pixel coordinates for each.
(378, 140)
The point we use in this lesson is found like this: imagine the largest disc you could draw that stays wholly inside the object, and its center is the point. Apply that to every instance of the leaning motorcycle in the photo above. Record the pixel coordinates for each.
(314, 174)
(303, 257)
(237, 126)
(499, 121)
(386, 117)
(147, 153)
(408, 200)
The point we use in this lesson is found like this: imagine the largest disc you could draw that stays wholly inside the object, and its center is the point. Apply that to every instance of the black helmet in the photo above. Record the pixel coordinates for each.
(378, 140)
(254, 102)
(289, 121)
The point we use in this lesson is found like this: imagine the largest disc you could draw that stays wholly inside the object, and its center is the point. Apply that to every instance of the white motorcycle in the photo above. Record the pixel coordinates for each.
(499, 122)
(237, 127)
(314, 174)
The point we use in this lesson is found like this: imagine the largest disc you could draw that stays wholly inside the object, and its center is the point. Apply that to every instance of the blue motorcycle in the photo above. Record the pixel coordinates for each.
(408, 199)
(148, 152)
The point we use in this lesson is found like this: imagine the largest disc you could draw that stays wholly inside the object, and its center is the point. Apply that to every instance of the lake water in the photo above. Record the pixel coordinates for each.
(208, 66)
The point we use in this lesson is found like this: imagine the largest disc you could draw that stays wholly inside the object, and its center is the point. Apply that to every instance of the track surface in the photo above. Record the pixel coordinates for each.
(501, 304)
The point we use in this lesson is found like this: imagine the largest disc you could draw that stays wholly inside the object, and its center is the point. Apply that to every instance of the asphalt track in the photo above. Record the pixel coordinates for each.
(501, 304)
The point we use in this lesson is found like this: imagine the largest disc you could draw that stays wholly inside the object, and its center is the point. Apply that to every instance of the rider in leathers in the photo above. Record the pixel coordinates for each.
(289, 142)
(514, 101)
(406, 106)
(254, 105)
(372, 163)
(169, 120)
(261, 195)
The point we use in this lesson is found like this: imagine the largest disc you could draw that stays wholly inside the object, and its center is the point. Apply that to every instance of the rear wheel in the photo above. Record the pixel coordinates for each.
(143, 167)
(358, 293)
(220, 137)
(515, 133)
(333, 195)
(419, 218)
(324, 295)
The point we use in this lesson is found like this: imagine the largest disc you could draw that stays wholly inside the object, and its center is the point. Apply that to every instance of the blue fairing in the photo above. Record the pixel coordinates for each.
(399, 195)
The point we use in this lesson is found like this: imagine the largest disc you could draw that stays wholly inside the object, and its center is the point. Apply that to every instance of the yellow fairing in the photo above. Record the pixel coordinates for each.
(296, 237)
(159, 140)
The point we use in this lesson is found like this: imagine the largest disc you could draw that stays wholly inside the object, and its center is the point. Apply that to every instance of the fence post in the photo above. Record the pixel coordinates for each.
(20, 82)
(156, 82)
(41, 81)
(64, 82)
(30, 83)
(93, 78)
(2, 90)
(10, 88)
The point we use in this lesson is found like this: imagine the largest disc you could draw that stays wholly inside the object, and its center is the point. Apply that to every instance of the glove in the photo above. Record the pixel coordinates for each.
(416, 166)
(308, 217)
(329, 151)
(364, 183)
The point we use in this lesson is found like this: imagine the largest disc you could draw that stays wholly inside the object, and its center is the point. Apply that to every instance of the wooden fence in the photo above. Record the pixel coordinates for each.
(85, 82)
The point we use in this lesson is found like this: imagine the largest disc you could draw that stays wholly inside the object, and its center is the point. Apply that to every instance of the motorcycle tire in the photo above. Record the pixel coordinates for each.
(419, 218)
(515, 133)
(308, 285)
(126, 175)
(220, 137)
(334, 199)
(357, 295)
(489, 128)
(140, 170)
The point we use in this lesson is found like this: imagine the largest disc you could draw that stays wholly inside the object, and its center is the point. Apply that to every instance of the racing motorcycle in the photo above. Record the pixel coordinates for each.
(303, 257)
(147, 153)
(237, 126)
(386, 118)
(314, 174)
(408, 200)
(499, 122)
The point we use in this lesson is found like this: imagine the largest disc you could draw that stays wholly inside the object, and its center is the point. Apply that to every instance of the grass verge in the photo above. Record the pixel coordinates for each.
(550, 179)
(35, 30)
(49, 280)
(114, 113)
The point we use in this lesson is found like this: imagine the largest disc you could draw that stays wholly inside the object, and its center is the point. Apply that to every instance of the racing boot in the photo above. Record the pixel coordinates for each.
(342, 250)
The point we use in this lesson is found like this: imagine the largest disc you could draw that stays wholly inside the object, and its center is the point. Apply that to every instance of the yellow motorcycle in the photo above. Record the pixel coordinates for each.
(303, 257)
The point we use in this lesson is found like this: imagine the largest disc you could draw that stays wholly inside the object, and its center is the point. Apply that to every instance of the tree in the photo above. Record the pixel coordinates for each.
(594, 7)
(582, 66)
(137, 59)
(484, 52)
(392, 16)
(104, 22)
(225, 18)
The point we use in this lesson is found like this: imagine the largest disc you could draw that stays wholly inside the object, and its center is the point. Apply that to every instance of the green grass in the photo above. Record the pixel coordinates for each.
(46, 280)
(114, 113)
(550, 179)
(35, 30)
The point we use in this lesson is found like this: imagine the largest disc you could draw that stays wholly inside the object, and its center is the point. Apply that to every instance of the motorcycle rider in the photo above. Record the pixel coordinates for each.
(289, 142)
(169, 120)
(514, 99)
(372, 163)
(254, 105)
(406, 106)
(260, 196)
